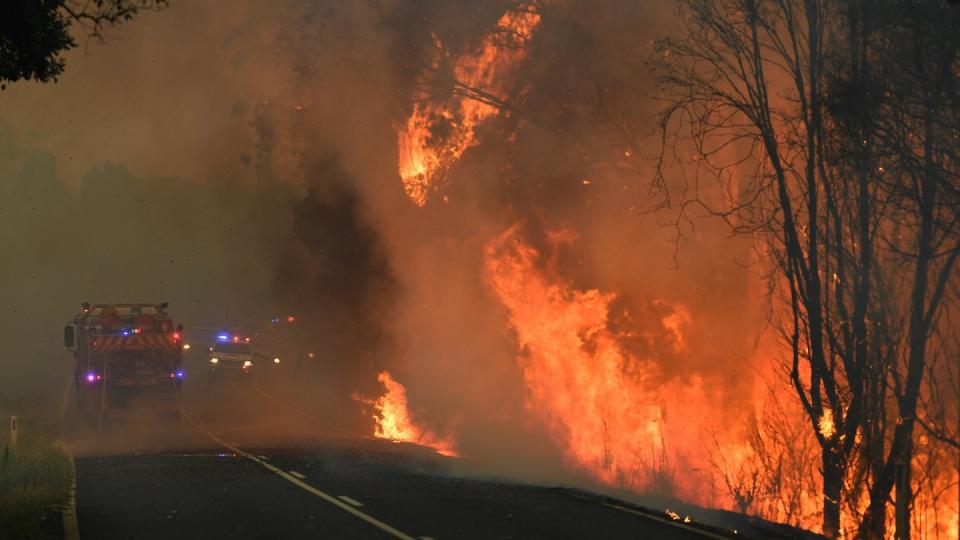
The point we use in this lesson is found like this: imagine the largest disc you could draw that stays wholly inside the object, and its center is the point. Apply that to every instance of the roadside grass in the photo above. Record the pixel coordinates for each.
(34, 476)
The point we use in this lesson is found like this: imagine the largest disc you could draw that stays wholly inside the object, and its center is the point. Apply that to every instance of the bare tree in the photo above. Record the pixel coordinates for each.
(95, 16)
(752, 72)
(848, 112)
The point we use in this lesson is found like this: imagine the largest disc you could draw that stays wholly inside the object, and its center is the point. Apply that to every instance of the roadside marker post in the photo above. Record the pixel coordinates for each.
(13, 432)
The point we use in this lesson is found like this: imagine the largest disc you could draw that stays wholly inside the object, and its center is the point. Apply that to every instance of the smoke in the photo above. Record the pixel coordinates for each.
(240, 162)
(124, 181)
(568, 160)
(120, 238)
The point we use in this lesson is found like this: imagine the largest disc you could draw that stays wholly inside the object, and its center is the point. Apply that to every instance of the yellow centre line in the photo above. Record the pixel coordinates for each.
(301, 484)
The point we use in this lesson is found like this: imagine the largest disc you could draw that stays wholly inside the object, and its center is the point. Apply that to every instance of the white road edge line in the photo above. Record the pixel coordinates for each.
(71, 529)
(298, 475)
(303, 485)
(671, 522)
(262, 457)
(348, 500)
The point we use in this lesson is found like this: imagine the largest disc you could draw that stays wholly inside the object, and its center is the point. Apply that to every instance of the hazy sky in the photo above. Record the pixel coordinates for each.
(164, 94)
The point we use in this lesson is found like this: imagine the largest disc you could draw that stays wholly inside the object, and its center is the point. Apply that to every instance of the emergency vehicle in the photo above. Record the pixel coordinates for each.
(125, 353)
(230, 356)
(233, 355)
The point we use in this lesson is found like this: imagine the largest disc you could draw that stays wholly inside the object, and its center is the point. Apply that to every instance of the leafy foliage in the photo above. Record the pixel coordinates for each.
(35, 33)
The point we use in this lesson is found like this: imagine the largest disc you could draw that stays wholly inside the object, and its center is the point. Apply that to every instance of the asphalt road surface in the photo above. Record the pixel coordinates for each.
(211, 476)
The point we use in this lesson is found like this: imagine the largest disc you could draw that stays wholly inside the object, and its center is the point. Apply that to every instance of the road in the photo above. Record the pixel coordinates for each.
(213, 476)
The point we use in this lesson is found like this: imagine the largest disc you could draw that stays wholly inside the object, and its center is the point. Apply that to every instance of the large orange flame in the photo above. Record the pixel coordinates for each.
(616, 418)
(393, 421)
(597, 401)
(437, 134)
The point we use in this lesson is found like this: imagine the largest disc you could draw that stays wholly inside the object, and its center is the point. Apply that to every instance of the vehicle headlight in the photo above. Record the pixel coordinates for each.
(247, 363)
(214, 360)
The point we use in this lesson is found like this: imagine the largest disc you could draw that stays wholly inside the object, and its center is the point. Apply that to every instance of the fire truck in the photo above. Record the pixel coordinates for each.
(125, 353)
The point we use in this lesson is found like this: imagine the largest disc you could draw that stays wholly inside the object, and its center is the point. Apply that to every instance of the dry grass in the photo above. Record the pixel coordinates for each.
(34, 481)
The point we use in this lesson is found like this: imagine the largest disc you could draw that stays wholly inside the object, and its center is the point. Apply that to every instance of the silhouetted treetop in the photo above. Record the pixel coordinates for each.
(35, 33)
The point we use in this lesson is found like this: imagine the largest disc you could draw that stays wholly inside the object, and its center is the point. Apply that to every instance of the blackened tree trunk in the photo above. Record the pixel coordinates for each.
(833, 475)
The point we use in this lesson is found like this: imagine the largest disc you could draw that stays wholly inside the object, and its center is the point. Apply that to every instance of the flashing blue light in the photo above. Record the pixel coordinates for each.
(223, 337)
(180, 374)
(125, 333)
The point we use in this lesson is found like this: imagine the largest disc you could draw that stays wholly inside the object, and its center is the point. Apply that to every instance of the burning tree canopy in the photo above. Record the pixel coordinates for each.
(438, 132)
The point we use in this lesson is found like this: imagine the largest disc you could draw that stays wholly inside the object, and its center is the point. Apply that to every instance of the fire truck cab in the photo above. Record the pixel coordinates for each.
(125, 353)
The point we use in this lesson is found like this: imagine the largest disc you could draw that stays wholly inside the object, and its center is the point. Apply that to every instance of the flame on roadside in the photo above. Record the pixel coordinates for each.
(596, 400)
(436, 134)
(393, 421)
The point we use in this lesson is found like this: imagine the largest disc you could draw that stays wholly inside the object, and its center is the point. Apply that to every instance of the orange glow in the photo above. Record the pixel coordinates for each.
(607, 407)
(674, 323)
(598, 402)
(424, 155)
(614, 415)
(393, 421)
(826, 425)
